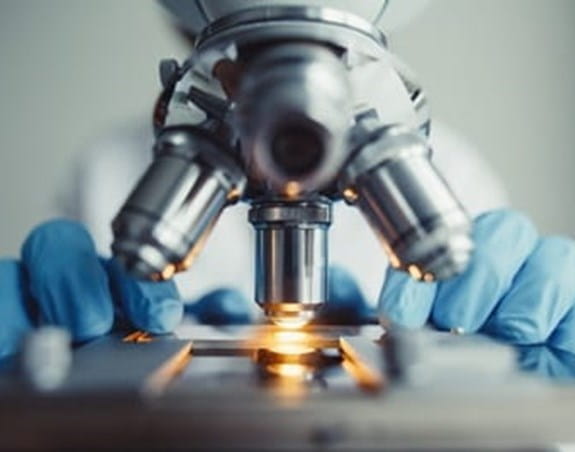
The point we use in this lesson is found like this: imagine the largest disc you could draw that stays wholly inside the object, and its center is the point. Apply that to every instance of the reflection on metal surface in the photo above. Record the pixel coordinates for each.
(290, 367)
(350, 195)
(415, 272)
(168, 272)
(289, 323)
(224, 399)
(367, 377)
(138, 337)
(292, 190)
(279, 339)
(157, 382)
(291, 363)
(289, 355)
(289, 370)
(292, 343)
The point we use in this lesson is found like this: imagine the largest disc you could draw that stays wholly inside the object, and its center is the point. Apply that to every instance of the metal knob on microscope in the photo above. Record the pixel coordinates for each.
(422, 226)
(293, 113)
(167, 218)
(291, 258)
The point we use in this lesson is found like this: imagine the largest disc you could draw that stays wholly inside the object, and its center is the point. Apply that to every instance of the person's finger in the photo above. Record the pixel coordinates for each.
(66, 279)
(563, 338)
(148, 305)
(222, 307)
(15, 320)
(404, 301)
(547, 361)
(503, 241)
(541, 296)
(345, 304)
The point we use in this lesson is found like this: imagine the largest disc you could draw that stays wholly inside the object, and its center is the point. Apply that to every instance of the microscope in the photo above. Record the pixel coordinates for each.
(290, 106)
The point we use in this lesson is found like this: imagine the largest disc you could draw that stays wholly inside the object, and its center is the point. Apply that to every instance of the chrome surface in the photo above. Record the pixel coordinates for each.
(167, 217)
(423, 227)
(291, 258)
(284, 14)
(356, 38)
(293, 110)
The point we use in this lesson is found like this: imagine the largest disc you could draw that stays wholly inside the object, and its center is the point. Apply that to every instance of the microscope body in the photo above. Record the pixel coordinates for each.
(291, 107)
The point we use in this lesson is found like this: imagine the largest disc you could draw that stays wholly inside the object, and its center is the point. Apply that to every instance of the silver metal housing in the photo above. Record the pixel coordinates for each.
(168, 216)
(314, 23)
(422, 226)
(293, 115)
(291, 90)
(291, 258)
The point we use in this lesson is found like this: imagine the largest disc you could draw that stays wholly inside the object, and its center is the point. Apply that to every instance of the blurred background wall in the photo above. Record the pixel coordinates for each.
(501, 72)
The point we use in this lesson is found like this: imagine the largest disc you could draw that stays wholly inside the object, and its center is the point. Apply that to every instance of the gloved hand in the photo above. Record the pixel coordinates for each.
(547, 362)
(519, 287)
(346, 304)
(60, 280)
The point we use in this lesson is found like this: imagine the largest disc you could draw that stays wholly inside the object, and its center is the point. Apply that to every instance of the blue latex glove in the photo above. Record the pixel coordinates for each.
(547, 362)
(519, 287)
(60, 280)
(221, 307)
(346, 304)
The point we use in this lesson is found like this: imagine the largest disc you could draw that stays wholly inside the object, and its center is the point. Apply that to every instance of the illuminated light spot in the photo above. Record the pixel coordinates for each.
(350, 195)
(289, 370)
(234, 194)
(138, 337)
(291, 349)
(290, 323)
(290, 336)
(168, 272)
(394, 260)
(415, 272)
(428, 277)
(292, 189)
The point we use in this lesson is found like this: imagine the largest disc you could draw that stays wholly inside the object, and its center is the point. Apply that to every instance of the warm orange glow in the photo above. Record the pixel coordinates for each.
(138, 337)
(393, 259)
(415, 272)
(291, 349)
(168, 272)
(161, 377)
(367, 378)
(292, 189)
(290, 323)
(350, 195)
(290, 336)
(234, 195)
(288, 342)
(289, 370)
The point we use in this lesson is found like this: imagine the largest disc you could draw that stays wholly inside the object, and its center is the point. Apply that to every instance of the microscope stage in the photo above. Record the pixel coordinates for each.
(261, 386)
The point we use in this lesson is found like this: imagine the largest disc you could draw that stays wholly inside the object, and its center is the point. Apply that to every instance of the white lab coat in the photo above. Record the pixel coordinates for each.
(106, 173)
